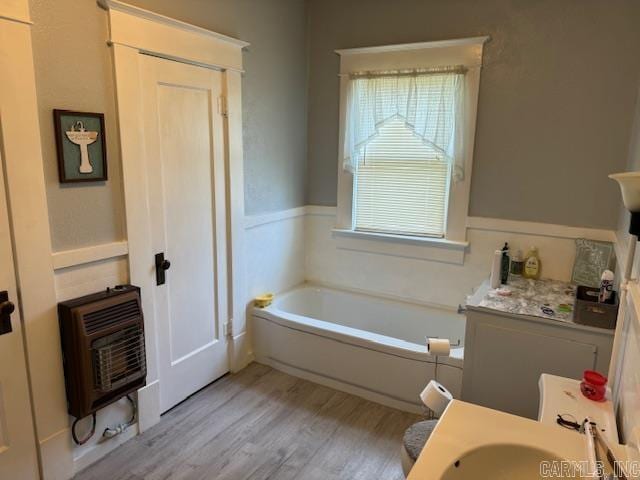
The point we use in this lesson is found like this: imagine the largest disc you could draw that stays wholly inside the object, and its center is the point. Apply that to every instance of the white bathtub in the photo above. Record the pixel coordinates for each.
(367, 345)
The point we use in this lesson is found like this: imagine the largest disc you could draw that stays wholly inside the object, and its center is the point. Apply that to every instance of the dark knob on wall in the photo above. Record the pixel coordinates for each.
(6, 309)
(162, 265)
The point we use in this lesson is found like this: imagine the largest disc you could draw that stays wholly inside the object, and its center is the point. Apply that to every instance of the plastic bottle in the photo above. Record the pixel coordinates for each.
(606, 286)
(532, 264)
(504, 264)
(517, 263)
(496, 269)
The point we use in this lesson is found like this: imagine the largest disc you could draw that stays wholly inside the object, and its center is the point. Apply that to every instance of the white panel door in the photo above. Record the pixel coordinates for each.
(18, 458)
(185, 167)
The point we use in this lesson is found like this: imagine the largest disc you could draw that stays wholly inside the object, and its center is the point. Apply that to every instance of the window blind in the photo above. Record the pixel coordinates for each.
(401, 184)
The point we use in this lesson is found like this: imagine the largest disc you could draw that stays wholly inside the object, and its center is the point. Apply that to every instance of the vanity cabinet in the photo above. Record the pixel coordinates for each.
(505, 354)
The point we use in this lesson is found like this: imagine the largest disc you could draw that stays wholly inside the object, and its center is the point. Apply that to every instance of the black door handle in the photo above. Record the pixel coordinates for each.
(6, 309)
(162, 266)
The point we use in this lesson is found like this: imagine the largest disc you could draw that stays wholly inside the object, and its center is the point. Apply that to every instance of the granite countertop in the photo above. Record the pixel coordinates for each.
(544, 298)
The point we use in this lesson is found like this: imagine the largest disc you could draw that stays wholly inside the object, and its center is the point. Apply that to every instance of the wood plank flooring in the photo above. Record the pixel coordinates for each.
(262, 424)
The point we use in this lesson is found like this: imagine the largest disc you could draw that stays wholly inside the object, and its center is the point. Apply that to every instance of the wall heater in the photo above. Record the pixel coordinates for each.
(103, 348)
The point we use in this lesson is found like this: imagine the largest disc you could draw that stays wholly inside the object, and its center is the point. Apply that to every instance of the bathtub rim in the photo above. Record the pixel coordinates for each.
(354, 336)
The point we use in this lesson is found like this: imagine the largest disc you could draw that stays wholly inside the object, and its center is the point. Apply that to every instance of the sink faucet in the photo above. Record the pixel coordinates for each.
(590, 428)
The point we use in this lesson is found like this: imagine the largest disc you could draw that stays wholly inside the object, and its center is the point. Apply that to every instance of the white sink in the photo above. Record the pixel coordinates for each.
(500, 462)
(472, 442)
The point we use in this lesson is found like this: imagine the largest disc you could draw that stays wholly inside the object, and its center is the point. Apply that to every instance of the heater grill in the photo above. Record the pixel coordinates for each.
(103, 348)
(118, 359)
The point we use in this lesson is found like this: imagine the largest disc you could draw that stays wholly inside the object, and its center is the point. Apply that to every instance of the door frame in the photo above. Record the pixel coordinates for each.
(31, 238)
(133, 32)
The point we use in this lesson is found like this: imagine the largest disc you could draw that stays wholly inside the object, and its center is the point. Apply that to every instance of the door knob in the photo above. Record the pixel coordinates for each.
(162, 265)
(6, 309)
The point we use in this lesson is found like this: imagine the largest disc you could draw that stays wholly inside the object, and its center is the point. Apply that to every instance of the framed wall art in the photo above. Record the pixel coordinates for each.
(81, 146)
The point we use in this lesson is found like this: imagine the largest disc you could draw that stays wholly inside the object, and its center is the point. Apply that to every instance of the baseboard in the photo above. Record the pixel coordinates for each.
(101, 449)
(149, 406)
(56, 456)
(246, 361)
(342, 386)
(241, 352)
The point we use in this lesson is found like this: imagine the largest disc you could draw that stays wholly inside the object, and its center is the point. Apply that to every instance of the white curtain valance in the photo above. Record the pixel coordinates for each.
(429, 102)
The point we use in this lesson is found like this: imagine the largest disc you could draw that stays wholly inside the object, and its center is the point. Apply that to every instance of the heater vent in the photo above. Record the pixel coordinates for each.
(102, 347)
(112, 315)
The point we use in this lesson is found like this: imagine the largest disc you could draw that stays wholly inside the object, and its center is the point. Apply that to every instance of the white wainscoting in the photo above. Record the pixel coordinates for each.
(274, 251)
(88, 278)
(75, 281)
(274, 261)
(285, 248)
(429, 280)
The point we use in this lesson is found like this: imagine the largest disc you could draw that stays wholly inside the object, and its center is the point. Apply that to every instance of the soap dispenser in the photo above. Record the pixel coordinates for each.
(532, 264)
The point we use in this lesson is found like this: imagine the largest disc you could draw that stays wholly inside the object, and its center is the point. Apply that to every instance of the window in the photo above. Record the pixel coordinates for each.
(407, 125)
(400, 148)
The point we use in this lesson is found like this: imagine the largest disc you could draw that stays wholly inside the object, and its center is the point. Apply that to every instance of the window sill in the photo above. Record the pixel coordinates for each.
(423, 248)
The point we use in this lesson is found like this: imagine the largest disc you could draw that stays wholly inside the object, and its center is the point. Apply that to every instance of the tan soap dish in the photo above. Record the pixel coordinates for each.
(263, 301)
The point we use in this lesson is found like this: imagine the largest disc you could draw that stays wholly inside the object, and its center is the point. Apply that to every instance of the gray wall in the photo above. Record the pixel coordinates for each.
(556, 99)
(556, 102)
(74, 71)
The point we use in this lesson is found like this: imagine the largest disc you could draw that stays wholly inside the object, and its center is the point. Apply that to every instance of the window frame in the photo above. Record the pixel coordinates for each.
(466, 52)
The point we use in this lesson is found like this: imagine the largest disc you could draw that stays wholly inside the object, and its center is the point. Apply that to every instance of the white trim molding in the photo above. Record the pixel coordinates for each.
(95, 253)
(457, 42)
(31, 237)
(15, 19)
(154, 34)
(148, 405)
(540, 229)
(171, 22)
(473, 223)
(235, 219)
(253, 221)
(321, 210)
(15, 11)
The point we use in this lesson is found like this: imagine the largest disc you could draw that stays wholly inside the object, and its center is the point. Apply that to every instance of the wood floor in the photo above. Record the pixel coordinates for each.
(263, 424)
